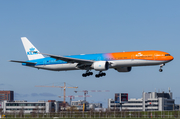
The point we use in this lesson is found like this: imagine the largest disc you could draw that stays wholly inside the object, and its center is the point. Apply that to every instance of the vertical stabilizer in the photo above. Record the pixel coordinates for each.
(31, 51)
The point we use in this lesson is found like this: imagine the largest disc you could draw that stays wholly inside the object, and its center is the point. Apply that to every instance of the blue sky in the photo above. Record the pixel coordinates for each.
(79, 27)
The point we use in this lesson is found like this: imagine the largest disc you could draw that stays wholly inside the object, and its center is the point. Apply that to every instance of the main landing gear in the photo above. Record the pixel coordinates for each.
(91, 73)
(87, 74)
(160, 70)
(100, 74)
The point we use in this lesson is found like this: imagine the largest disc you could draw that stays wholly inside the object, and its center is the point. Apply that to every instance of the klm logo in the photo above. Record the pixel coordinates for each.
(32, 52)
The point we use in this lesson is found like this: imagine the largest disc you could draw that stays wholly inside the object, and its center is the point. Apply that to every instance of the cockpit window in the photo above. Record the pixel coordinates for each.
(167, 55)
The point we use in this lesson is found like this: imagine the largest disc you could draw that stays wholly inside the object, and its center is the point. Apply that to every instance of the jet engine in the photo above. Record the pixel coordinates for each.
(123, 69)
(101, 65)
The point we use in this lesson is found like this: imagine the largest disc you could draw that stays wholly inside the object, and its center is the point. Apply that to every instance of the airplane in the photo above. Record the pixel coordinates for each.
(120, 61)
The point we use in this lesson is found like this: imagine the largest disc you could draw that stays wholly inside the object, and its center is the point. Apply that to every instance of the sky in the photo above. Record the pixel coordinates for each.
(81, 27)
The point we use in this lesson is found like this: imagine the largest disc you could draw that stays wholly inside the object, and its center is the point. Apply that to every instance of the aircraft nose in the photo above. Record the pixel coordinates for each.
(171, 58)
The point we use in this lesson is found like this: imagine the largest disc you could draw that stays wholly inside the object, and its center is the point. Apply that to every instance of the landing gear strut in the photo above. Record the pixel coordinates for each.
(160, 70)
(87, 74)
(100, 74)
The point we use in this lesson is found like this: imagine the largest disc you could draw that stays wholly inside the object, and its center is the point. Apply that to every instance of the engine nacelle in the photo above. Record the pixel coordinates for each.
(123, 69)
(101, 65)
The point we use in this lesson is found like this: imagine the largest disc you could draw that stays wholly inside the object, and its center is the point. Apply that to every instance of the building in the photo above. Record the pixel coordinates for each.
(7, 95)
(158, 101)
(40, 106)
(79, 104)
(119, 99)
(30, 107)
(133, 105)
(151, 101)
(97, 105)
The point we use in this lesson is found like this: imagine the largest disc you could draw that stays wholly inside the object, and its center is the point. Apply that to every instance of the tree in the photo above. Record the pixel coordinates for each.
(175, 114)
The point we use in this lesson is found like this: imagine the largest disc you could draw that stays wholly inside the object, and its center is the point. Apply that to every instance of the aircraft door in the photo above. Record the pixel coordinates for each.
(44, 62)
(155, 56)
(132, 57)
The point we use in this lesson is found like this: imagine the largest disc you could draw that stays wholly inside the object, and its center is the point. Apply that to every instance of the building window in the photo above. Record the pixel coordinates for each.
(134, 101)
(131, 105)
(115, 105)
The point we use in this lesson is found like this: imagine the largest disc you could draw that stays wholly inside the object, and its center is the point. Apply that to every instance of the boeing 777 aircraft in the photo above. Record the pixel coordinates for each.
(120, 61)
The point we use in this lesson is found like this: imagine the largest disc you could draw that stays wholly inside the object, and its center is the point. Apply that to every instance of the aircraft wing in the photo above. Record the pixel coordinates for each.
(69, 59)
(22, 62)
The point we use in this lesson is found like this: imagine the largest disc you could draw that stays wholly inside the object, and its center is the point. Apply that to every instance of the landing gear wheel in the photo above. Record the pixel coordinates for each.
(87, 74)
(104, 74)
(100, 74)
(84, 75)
(160, 70)
(97, 75)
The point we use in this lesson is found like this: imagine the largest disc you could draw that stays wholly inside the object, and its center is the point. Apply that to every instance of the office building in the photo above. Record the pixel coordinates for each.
(79, 104)
(151, 101)
(7, 95)
(30, 107)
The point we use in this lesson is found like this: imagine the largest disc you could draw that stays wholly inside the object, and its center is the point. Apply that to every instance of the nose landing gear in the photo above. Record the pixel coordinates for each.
(100, 74)
(160, 70)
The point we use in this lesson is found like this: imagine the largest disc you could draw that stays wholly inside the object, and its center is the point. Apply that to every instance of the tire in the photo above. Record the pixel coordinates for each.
(84, 75)
(160, 70)
(91, 73)
(97, 76)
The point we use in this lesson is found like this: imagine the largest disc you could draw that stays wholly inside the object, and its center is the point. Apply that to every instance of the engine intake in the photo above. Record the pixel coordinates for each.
(101, 65)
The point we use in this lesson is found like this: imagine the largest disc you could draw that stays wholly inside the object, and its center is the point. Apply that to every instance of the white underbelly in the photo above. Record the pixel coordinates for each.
(59, 67)
(135, 63)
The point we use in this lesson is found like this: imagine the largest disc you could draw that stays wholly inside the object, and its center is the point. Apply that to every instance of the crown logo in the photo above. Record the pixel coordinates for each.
(32, 52)
(32, 49)
(139, 54)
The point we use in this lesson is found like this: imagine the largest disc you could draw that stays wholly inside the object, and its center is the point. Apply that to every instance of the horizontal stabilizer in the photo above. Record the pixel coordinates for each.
(22, 62)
